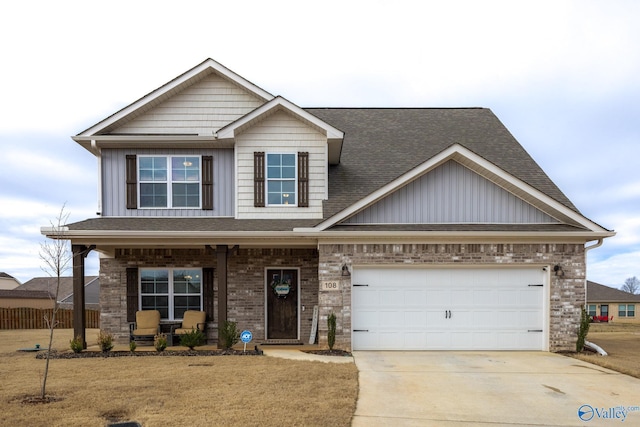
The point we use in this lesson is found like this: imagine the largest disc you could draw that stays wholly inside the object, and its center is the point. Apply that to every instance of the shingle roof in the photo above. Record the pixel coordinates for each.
(48, 284)
(24, 294)
(189, 224)
(600, 293)
(381, 144)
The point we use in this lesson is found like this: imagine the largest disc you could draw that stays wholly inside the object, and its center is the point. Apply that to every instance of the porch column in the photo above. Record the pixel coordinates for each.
(221, 265)
(79, 318)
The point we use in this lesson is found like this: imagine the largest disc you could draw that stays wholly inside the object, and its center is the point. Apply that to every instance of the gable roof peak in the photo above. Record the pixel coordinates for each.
(153, 98)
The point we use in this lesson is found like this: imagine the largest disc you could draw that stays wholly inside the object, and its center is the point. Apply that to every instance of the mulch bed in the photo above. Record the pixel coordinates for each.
(89, 354)
(330, 352)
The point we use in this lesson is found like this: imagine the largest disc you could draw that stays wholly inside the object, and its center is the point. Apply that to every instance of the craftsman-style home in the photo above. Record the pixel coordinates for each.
(420, 228)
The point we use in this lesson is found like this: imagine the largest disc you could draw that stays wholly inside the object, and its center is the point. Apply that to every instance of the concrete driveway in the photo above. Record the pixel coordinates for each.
(490, 388)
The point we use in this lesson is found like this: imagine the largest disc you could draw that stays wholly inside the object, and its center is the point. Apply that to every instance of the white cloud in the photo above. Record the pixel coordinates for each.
(615, 270)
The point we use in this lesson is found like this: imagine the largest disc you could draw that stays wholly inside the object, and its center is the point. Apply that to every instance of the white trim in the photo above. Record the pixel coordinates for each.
(229, 131)
(206, 67)
(452, 152)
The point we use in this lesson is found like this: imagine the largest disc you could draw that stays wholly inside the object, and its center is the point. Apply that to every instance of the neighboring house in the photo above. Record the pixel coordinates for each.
(420, 228)
(65, 292)
(15, 298)
(611, 305)
(8, 282)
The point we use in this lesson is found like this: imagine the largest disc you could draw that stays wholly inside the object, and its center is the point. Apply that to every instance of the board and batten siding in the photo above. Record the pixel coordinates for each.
(201, 109)
(114, 183)
(451, 193)
(281, 133)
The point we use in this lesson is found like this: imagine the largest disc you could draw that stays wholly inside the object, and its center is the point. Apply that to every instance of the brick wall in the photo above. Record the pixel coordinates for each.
(245, 284)
(567, 293)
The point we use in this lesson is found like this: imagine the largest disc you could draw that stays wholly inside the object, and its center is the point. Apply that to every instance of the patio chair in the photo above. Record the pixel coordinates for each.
(191, 320)
(146, 326)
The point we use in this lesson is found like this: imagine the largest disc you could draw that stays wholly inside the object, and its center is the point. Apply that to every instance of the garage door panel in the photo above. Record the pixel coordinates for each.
(441, 309)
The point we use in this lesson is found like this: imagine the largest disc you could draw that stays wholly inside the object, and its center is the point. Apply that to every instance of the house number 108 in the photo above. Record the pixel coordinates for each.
(330, 286)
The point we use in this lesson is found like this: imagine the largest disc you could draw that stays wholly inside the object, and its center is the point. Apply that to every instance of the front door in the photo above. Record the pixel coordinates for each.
(282, 304)
(604, 313)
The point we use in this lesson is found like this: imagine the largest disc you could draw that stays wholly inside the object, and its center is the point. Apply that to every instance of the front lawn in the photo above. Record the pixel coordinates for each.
(621, 342)
(176, 391)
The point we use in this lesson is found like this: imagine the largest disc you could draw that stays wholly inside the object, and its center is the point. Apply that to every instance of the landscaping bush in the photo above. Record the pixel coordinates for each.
(132, 346)
(76, 344)
(160, 342)
(229, 334)
(105, 341)
(193, 338)
(331, 335)
(583, 330)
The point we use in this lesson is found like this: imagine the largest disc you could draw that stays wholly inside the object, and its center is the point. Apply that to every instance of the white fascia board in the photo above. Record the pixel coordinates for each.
(97, 142)
(204, 67)
(228, 132)
(451, 153)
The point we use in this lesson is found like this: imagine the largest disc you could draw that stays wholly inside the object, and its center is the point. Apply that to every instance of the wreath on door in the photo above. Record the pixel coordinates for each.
(282, 287)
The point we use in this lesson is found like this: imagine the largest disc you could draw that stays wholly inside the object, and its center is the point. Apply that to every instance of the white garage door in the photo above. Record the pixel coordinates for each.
(448, 309)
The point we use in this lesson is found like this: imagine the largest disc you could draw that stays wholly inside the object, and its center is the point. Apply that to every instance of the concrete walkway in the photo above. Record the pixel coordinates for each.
(491, 388)
(295, 354)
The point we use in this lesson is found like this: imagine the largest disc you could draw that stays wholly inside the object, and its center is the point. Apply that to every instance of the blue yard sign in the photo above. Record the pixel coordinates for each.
(246, 337)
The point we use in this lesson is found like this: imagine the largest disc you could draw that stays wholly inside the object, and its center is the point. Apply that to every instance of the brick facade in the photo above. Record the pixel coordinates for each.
(245, 284)
(247, 270)
(567, 293)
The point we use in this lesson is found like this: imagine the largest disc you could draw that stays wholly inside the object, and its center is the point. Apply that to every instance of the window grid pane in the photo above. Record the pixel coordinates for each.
(631, 310)
(180, 189)
(171, 291)
(281, 179)
(622, 310)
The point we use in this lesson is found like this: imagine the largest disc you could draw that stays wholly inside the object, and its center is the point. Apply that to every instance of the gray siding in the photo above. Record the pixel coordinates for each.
(451, 193)
(114, 184)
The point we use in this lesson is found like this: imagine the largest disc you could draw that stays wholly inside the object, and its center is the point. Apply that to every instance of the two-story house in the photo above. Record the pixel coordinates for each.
(420, 228)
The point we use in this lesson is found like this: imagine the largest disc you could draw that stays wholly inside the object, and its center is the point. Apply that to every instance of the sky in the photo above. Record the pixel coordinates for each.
(563, 76)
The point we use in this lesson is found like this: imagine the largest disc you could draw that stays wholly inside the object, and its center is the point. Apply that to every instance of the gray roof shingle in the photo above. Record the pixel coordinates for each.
(600, 293)
(380, 144)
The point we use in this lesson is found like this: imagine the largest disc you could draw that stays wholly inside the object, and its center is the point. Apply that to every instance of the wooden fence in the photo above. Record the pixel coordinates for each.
(33, 318)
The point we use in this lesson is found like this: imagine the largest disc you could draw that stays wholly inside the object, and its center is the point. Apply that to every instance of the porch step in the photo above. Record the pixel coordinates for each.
(282, 342)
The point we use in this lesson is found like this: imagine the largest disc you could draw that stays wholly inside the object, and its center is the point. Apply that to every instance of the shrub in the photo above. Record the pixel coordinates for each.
(229, 334)
(583, 330)
(132, 346)
(193, 338)
(76, 344)
(331, 335)
(160, 342)
(105, 341)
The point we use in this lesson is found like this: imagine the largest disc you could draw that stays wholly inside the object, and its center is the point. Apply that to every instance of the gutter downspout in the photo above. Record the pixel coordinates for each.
(587, 249)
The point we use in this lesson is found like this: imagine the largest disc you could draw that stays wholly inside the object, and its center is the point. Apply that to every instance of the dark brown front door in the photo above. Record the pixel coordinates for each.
(282, 304)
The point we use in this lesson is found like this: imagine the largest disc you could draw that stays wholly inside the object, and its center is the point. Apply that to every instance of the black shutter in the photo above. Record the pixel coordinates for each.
(132, 181)
(258, 179)
(207, 183)
(303, 180)
(207, 292)
(132, 294)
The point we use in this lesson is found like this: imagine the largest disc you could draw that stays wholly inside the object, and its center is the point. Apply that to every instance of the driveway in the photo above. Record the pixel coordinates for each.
(493, 388)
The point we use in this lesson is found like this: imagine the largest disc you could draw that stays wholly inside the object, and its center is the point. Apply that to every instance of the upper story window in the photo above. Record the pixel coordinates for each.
(169, 181)
(281, 179)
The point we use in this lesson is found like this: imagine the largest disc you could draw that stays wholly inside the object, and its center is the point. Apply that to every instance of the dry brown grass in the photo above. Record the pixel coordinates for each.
(621, 342)
(176, 391)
